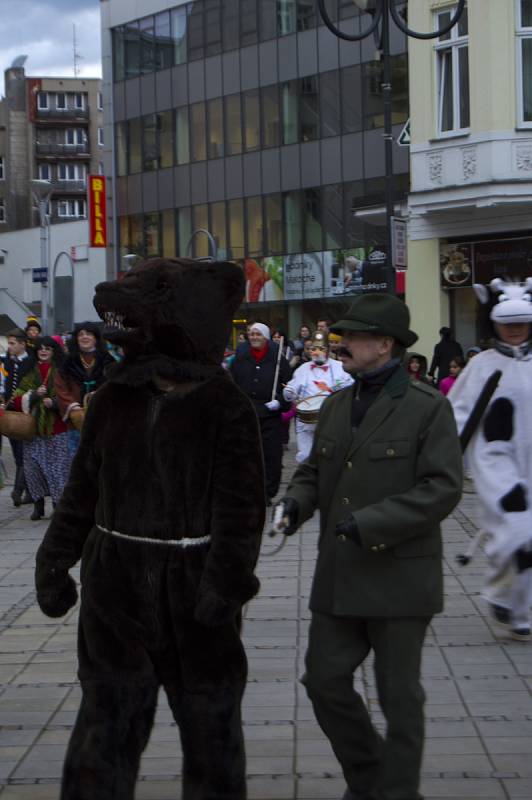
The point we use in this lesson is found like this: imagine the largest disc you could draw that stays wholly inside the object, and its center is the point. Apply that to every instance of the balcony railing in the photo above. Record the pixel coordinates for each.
(66, 114)
(61, 149)
(66, 187)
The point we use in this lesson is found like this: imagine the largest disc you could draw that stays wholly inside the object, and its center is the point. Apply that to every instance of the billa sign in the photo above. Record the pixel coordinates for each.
(97, 212)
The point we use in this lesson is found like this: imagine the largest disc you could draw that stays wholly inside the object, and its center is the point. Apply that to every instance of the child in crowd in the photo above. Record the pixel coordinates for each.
(455, 368)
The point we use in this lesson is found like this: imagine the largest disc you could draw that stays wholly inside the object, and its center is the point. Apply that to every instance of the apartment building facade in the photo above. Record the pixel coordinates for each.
(50, 129)
(251, 121)
(470, 206)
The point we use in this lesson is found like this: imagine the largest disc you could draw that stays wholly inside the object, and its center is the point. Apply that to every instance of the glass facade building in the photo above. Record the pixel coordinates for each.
(249, 119)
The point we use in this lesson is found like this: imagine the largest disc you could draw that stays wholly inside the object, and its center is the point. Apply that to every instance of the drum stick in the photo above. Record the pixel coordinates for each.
(277, 366)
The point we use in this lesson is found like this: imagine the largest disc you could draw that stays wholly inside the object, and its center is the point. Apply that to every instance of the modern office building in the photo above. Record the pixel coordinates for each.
(50, 129)
(470, 208)
(250, 120)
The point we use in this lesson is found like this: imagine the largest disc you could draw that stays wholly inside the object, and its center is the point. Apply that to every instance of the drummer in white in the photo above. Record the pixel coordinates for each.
(317, 379)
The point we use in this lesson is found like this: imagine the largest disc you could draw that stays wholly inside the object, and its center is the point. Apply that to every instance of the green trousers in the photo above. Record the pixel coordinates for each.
(374, 767)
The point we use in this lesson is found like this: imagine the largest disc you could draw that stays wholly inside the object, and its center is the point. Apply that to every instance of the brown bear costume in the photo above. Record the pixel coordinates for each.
(165, 507)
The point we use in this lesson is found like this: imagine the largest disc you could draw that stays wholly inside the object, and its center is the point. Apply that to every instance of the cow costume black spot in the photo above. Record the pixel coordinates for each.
(500, 452)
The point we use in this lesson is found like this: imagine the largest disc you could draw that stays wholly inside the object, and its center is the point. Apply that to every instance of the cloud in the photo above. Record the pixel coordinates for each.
(42, 30)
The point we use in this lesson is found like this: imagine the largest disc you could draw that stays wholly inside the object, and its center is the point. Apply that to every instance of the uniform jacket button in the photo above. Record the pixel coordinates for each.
(390, 451)
(342, 538)
(345, 501)
(349, 465)
(382, 547)
(374, 547)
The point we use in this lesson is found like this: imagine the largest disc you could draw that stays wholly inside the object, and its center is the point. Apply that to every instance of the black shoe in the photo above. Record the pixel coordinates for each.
(16, 496)
(520, 634)
(26, 498)
(500, 614)
(38, 510)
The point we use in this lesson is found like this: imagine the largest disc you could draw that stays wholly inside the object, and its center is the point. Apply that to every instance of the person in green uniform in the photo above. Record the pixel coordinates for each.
(384, 470)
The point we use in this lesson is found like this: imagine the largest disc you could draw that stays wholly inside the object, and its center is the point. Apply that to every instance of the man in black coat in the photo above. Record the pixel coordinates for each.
(254, 370)
(444, 352)
(16, 364)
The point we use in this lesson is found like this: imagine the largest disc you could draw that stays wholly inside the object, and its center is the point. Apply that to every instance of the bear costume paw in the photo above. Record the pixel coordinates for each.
(56, 592)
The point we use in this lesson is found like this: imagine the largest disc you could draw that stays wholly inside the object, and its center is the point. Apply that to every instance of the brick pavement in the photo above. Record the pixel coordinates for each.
(479, 704)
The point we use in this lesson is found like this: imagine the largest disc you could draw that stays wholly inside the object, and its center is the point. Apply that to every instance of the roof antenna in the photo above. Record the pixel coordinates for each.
(77, 56)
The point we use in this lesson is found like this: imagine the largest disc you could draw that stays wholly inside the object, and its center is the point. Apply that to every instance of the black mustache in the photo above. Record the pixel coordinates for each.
(343, 351)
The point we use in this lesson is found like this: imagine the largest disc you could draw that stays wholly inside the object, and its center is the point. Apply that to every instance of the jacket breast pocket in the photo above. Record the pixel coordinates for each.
(325, 447)
(389, 450)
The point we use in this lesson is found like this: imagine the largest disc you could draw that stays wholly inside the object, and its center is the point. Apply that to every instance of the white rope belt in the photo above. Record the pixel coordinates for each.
(184, 542)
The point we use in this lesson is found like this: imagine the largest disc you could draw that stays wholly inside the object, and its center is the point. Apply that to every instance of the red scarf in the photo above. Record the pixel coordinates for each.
(44, 369)
(258, 355)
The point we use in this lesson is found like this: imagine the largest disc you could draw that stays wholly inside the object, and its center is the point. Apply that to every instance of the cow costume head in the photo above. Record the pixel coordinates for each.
(509, 303)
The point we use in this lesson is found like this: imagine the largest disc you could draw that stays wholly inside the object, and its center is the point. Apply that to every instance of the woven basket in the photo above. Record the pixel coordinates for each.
(16, 425)
(76, 416)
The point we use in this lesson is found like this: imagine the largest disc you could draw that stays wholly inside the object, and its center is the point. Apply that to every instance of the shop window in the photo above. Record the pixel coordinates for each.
(273, 221)
(216, 128)
(235, 210)
(254, 246)
(289, 102)
(293, 228)
(330, 108)
(198, 137)
(136, 234)
(524, 62)
(452, 72)
(309, 111)
(135, 146)
(164, 46)
(200, 221)
(178, 26)
(213, 27)
(184, 230)
(271, 116)
(354, 197)
(268, 19)
(230, 24)
(233, 124)
(182, 143)
(251, 120)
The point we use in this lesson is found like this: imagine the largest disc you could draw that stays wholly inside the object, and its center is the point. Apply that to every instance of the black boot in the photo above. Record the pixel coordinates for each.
(26, 498)
(18, 488)
(38, 509)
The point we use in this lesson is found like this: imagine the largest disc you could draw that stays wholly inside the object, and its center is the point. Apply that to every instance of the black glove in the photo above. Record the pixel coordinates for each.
(212, 610)
(290, 510)
(56, 591)
(348, 527)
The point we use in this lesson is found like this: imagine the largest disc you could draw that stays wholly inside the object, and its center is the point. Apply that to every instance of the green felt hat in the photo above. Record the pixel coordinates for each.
(382, 314)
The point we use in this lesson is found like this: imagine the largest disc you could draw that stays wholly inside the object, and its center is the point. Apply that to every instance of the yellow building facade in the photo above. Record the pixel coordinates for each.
(470, 205)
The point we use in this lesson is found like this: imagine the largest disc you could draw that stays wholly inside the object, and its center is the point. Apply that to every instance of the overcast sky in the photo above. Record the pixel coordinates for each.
(42, 30)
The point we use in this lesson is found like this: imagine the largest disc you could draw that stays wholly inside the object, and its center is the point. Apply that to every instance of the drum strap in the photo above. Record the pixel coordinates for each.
(184, 542)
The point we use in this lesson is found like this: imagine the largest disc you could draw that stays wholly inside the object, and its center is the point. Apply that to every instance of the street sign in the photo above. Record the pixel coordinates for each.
(39, 275)
(399, 241)
(403, 140)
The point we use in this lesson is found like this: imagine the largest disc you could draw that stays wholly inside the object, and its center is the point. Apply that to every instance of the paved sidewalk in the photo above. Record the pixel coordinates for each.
(479, 704)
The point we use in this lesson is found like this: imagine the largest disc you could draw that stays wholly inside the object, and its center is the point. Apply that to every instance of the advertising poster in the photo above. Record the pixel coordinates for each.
(456, 266)
(353, 271)
(303, 276)
(264, 279)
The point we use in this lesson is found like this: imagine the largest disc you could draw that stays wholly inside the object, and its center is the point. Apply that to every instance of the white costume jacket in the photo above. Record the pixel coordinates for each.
(304, 383)
(500, 452)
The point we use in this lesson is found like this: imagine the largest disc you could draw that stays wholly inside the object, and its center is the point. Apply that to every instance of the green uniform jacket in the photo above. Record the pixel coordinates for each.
(399, 474)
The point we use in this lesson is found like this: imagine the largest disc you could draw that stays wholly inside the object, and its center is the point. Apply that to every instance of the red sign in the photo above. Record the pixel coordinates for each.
(97, 212)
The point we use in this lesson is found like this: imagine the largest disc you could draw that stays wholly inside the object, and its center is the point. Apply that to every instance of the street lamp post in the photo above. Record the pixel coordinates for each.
(42, 191)
(381, 10)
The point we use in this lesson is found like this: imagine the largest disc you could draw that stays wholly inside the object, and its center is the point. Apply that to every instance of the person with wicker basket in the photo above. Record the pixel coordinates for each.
(46, 458)
(80, 374)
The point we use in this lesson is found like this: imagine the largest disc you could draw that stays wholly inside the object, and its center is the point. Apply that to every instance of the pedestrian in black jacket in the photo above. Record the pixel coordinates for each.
(254, 370)
(444, 352)
(16, 364)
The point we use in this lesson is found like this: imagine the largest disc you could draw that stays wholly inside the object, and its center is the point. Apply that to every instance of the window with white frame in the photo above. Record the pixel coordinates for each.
(71, 208)
(2, 210)
(45, 173)
(71, 172)
(42, 101)
(100, 101)
(452, 73)
(61, 101)
(524, 62)
(74, 136)
(100, 137)
(79, 101)
(2, 168)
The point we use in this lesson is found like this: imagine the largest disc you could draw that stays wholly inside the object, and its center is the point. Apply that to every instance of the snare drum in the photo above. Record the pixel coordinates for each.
(308, 409)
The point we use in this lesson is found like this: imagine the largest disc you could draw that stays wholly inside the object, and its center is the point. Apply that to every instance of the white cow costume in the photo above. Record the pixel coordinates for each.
(500, 455)
(306, 382)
